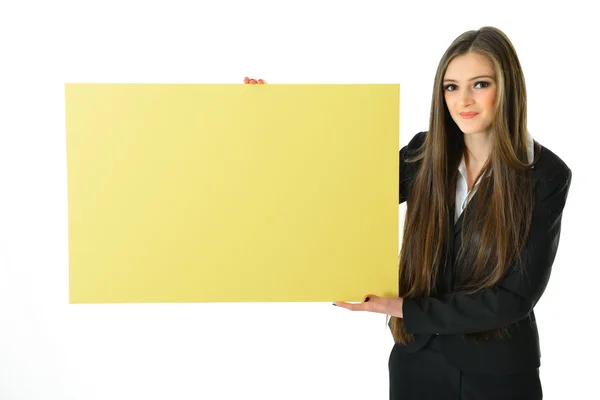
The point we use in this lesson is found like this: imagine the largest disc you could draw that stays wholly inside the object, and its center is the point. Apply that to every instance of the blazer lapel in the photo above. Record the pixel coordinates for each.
(459, 222)
(534, 179)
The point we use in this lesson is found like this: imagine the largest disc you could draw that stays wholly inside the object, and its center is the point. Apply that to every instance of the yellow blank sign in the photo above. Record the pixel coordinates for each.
(232, 193)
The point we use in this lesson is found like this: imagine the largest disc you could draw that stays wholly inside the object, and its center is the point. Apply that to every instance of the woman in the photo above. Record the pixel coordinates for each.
(484, 207)
(482, 226)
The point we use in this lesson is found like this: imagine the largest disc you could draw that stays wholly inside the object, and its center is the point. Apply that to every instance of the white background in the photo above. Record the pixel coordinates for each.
(52, 350)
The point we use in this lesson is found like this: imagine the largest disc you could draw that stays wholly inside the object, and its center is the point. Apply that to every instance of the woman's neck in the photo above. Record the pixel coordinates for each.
(479, 147)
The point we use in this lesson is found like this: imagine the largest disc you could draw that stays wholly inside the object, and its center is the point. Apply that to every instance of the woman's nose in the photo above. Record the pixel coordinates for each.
(466, 98)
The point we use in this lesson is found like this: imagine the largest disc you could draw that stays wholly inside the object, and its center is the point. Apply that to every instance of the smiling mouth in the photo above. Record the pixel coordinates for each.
(468, 115)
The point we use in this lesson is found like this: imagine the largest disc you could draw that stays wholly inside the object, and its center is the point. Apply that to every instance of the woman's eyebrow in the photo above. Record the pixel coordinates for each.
(472, 79)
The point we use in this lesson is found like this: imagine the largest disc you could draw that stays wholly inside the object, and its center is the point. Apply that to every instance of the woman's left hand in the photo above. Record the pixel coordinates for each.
(381, 305)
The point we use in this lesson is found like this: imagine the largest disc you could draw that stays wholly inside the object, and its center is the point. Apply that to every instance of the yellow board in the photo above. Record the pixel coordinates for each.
(232, 193)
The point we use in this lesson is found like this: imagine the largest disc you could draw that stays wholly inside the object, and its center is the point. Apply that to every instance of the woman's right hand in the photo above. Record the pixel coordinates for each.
(251, 81)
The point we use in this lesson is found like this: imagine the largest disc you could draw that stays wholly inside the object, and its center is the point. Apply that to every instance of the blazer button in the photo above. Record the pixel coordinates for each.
(437, 334)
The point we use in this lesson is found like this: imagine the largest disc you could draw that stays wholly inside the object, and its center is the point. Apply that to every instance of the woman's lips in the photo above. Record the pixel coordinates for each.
(468, 115)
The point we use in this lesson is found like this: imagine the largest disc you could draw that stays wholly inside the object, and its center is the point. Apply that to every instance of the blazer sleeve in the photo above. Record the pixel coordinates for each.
(514, 297)
(408, 171)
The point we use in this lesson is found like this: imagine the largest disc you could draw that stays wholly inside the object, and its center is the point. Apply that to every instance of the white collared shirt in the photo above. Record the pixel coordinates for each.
(463, 196)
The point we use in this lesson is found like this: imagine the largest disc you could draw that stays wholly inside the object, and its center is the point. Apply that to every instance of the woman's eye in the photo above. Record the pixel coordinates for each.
(481, 85)
(450, 87)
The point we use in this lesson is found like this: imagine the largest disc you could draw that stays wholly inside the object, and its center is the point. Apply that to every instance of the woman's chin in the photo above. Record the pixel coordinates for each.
(473, 130)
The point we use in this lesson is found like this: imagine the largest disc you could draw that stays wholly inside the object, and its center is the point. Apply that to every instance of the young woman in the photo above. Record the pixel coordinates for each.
(484, 208)
(482, 227)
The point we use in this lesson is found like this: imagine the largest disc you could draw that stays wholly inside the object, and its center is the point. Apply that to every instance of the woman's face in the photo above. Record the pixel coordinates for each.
(470, 92)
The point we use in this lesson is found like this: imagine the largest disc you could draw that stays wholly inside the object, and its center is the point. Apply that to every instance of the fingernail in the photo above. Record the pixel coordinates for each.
(367, 299)
(334, 304)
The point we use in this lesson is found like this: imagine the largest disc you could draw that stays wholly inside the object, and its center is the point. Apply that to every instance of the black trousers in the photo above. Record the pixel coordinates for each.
(425, 375)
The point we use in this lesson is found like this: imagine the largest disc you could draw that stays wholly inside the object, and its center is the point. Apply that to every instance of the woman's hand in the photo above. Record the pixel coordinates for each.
(251, 81)
(382, 305)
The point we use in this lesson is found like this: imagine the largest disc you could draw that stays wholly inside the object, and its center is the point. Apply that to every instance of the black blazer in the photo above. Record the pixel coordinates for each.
(448, 316)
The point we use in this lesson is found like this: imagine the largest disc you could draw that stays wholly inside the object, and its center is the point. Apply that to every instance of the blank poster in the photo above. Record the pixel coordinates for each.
(232, 192)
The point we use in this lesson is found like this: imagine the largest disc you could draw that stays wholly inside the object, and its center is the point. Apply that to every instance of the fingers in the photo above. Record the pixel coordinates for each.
(371, 303)
(352, 306)
(368, 304)
(252, 81)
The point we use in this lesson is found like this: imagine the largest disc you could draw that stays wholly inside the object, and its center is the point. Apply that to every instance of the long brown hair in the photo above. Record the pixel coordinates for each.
(495, 231)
